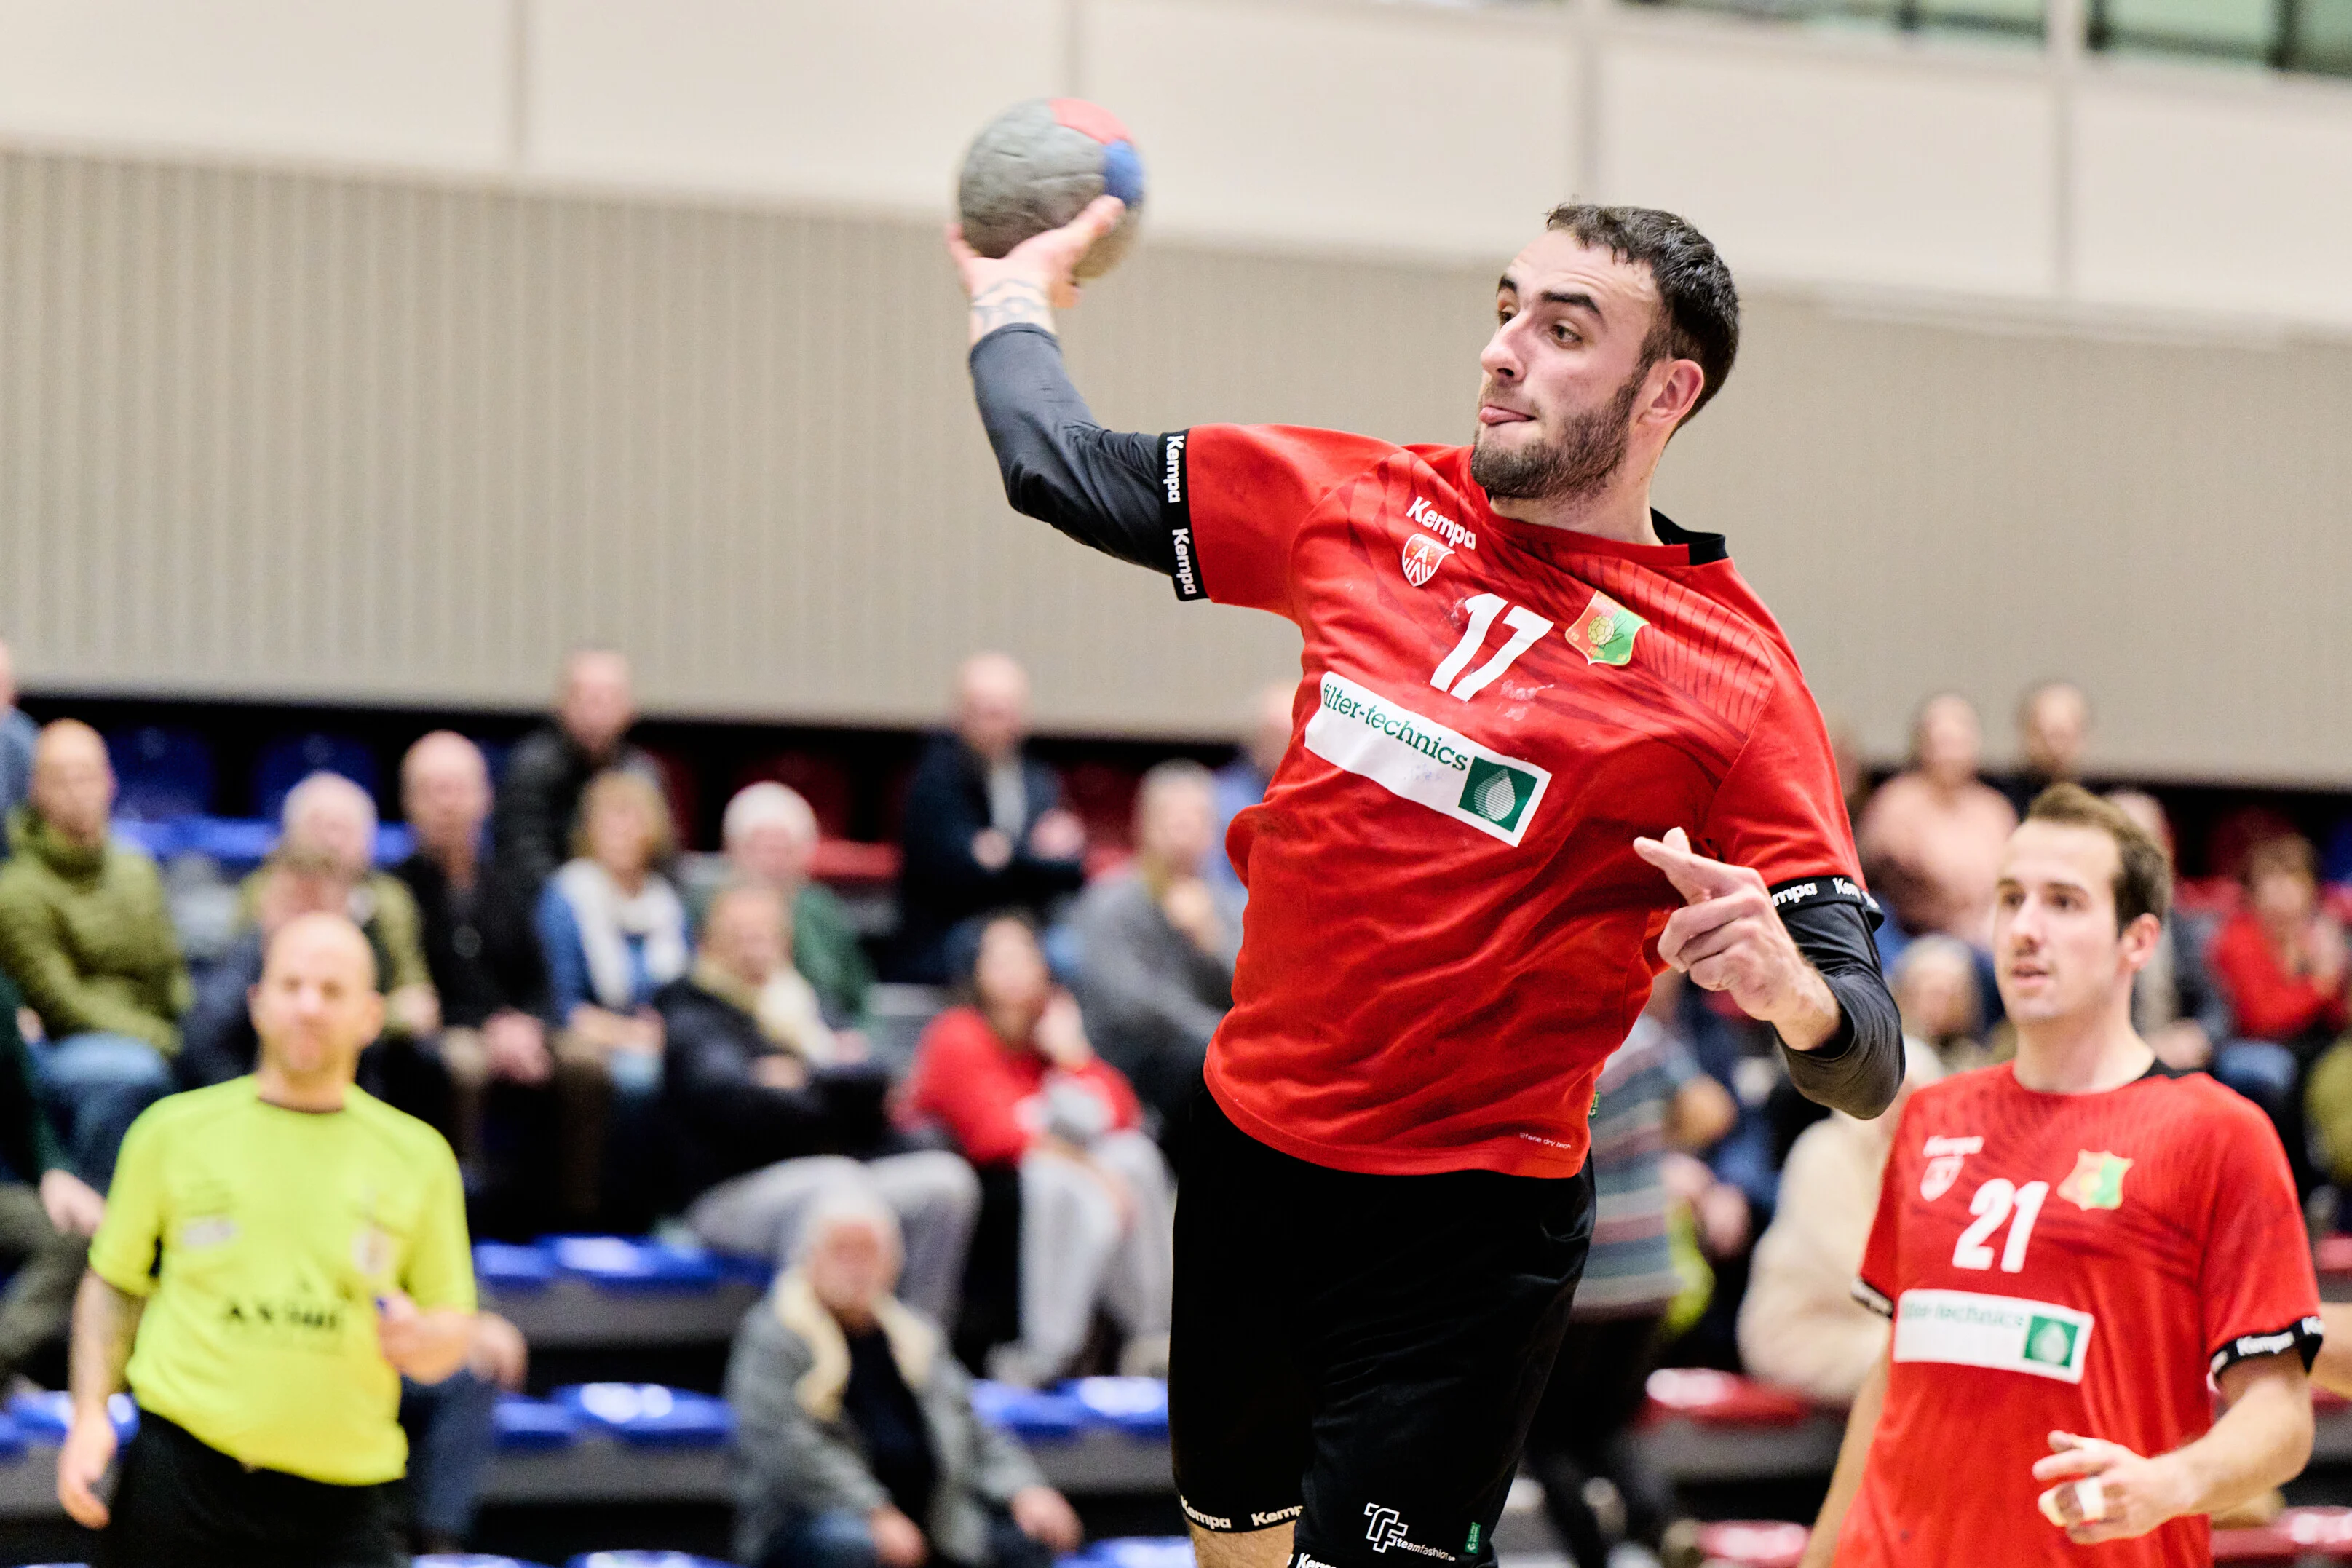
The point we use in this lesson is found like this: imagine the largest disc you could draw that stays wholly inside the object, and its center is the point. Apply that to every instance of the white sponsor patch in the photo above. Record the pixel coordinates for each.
(1961, 1328)
(1423, 760)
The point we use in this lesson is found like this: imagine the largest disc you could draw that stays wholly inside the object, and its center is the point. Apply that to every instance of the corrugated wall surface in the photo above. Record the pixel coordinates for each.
(274, 434)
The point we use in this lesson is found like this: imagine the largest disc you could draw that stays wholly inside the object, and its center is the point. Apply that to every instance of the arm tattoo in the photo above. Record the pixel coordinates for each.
(1003, 304)
(105, 1322)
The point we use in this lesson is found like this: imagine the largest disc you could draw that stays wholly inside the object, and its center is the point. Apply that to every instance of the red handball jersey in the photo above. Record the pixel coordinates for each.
(1448, 930)
(2065, 1262)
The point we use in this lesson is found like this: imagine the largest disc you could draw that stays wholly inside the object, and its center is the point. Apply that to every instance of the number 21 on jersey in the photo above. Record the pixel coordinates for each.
(1995, 1204)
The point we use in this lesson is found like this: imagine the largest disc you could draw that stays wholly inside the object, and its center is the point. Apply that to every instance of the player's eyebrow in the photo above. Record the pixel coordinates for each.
(1579, 300)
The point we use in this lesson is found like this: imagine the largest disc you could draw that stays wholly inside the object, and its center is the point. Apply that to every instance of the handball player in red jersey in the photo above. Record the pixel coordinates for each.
(2070, 1245)
(1545, 741)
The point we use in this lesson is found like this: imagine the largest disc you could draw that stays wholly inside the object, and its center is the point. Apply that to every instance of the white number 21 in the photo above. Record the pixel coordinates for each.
(1994, 1202)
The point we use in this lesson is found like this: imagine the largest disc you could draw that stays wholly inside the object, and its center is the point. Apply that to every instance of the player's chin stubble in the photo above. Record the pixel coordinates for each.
(1578, 464)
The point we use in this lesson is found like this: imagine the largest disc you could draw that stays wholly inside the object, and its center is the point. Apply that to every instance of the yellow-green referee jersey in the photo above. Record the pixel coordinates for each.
(277, 1230)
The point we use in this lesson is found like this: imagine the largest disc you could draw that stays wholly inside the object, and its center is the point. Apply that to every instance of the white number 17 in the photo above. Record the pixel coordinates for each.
(1525, 627)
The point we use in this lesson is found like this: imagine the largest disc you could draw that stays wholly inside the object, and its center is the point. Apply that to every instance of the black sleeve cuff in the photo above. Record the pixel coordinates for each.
(1870, 1296)
(1176, 515)
(2302, 1337)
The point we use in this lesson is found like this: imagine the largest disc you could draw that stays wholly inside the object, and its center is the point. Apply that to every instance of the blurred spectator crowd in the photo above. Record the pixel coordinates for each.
(972, 1169)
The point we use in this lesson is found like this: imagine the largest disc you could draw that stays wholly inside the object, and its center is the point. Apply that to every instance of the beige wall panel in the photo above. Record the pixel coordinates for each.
(1854, 165)
(2204, 196)
(419, 82)
(284, 437)
(867, 105)
(1433, 133)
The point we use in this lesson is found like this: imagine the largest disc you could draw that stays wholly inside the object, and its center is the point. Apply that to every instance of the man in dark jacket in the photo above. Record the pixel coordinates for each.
(772, 1123)
(479, 939)
(540, 796)
(984, 829)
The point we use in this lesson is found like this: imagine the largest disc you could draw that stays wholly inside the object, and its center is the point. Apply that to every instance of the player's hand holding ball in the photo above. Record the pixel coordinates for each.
(1048, 197)
(2104, 1491)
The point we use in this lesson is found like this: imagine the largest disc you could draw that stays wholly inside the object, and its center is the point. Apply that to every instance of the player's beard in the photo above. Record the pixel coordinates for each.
(1583, 458)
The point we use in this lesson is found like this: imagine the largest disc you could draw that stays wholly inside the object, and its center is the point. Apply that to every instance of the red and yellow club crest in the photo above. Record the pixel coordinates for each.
(1422, 557)
(2097, 1182)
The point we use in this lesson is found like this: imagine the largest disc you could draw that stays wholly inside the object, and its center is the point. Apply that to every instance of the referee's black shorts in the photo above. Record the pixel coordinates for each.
(181, 1503)
(1361, 1354)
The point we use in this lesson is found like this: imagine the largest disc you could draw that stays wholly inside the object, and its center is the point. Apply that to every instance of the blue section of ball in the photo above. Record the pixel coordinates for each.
(1122, 173)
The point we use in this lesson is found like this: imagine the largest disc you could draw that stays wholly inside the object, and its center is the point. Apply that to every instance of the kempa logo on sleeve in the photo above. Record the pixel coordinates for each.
(1961, 1328)
(1425, 761)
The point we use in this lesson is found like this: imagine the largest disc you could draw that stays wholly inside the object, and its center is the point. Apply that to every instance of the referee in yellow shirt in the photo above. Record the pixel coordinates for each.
(278, 1252)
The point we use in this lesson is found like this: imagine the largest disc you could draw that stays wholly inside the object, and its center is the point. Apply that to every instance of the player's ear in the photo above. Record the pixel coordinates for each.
(2139, 940)
(1674, 388)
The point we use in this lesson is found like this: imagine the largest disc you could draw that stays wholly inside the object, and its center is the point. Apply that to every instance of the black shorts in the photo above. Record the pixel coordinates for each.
(181, 1503)
(1361, 1354)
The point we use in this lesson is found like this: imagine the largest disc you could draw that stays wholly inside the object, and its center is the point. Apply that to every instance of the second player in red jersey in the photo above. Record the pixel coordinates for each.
(2070, 1246)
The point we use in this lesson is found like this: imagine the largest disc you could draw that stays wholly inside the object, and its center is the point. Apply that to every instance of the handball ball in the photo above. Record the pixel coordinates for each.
(1036, 166)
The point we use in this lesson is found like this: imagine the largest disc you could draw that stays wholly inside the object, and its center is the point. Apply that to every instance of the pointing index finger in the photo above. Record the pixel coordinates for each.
(1694, 876)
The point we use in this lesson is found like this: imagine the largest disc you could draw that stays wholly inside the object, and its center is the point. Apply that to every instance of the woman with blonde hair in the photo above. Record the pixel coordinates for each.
(616, 931)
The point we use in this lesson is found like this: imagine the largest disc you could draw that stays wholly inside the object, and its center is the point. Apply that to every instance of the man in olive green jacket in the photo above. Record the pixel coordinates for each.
(85, 934)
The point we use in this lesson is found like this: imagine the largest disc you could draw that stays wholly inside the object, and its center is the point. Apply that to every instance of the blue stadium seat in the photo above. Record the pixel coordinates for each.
(44, 1417)
(161, 773)
(289, 759)
(468, 1560)
(644, 1560)
(237, 843)
(526, 1424)
(759, 1271)
(161, 840)
(650, 1415)
(503, 1266)
(1032, 1416)
(1135, 1406)
(12, 1438)
(623, 1263)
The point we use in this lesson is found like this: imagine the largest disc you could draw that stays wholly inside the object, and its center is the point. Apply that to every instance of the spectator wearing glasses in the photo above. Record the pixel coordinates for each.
(856, 1444)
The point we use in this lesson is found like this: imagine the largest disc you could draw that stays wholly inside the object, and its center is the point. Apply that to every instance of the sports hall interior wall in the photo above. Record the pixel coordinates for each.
(289, 436)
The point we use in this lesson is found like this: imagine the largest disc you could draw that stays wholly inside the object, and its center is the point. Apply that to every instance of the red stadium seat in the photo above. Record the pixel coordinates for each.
(846, 860)
(1102, 795)
(2300, 1535)
(2333, 1255)
(1753, 1543)
(1722, 1398)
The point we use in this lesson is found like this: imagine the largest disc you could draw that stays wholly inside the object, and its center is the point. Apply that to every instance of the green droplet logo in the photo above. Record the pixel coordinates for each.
(1497, 792)
(1497, 798)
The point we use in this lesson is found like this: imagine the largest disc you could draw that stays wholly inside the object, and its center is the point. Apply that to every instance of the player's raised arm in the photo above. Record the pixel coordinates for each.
(1100, 486)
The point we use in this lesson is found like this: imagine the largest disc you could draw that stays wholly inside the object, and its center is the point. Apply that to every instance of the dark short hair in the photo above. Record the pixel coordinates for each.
(1698, 315)
(2143, 870)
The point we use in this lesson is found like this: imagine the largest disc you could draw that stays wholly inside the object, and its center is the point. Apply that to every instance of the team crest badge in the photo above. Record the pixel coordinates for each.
(1946, 1156)
(2097, 1182)
(1422, 557)
(1604, 633)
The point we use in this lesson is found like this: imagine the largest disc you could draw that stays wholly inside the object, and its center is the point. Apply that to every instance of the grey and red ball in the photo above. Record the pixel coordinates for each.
(1036, 166)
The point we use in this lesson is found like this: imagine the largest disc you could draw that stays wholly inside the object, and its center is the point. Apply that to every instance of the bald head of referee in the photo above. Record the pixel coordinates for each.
(315, 1009)
(278, 1252)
